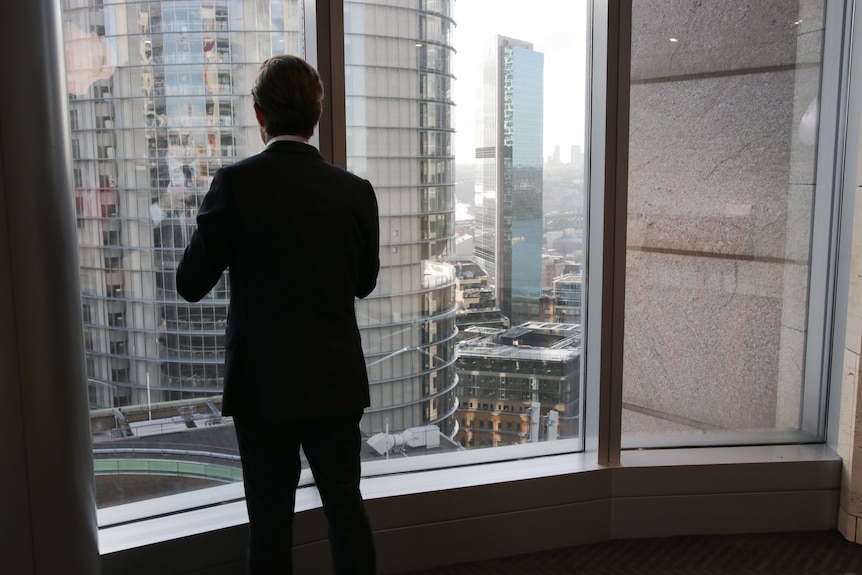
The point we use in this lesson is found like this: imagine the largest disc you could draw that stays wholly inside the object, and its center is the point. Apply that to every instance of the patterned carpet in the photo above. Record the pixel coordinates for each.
(808, 553)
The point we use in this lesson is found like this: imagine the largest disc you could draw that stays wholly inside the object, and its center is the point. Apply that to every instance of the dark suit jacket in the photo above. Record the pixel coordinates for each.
(300, 239)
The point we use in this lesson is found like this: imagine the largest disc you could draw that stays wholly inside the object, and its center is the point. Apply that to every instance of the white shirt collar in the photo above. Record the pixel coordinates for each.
(286, 138)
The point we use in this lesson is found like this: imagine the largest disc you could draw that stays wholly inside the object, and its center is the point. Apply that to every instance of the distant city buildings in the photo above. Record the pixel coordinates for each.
(569, 298)
(521, 383)
(477, 304)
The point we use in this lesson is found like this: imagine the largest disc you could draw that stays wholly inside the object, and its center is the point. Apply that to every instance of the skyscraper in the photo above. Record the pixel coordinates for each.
(508, 241)
(399, 136)
(159, 99)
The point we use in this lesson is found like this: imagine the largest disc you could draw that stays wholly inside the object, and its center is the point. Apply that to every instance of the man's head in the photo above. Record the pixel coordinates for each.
(288, 97)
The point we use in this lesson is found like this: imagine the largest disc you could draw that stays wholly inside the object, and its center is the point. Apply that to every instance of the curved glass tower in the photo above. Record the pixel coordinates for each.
(158, 101)
(399, 136)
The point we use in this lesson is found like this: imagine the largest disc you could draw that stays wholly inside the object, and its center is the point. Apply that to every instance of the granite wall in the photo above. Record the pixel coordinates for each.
(721, 182)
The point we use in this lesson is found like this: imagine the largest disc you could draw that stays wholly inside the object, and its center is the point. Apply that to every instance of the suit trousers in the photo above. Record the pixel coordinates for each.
(270, 452)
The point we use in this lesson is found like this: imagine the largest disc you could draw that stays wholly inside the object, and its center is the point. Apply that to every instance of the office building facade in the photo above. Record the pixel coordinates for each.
(399, 136)
(516, 384)
(159, 100)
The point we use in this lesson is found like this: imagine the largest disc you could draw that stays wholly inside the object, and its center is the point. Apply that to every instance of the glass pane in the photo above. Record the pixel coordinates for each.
(470, 124)
(724, 107)
(159, 99)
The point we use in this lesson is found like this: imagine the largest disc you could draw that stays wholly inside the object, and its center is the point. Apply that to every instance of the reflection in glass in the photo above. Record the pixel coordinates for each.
(721, 190)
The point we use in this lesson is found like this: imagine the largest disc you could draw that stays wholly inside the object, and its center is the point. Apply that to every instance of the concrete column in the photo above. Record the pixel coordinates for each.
(46, 486)
(850, 419)
(850, 433)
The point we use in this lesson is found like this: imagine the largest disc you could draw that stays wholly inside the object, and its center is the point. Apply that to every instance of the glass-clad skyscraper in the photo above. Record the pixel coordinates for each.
(158, 101)
(508, 242)
(399, 136)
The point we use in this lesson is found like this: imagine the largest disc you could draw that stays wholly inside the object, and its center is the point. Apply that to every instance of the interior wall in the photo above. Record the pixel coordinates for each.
(850, 418)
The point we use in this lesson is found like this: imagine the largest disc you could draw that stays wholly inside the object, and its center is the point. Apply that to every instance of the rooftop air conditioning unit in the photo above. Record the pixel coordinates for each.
(427, 436)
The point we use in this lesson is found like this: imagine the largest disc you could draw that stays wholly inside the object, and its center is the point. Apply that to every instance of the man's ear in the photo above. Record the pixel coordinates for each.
(261, 121)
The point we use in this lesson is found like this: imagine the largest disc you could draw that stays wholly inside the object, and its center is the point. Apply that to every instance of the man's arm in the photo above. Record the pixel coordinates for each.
(208, 254)
(369, 264)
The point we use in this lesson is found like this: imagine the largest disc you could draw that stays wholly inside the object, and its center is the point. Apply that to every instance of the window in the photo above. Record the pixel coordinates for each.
(435, 174)
(497, 184)
(719, 249)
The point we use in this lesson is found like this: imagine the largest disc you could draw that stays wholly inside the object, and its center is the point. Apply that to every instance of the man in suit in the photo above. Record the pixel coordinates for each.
(300, 240)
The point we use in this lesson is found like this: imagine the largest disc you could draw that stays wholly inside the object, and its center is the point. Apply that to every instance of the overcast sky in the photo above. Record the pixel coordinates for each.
(558, 29)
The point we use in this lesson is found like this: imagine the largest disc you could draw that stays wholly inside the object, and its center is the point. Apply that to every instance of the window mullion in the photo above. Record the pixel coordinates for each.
(325, 48)
(608, 209)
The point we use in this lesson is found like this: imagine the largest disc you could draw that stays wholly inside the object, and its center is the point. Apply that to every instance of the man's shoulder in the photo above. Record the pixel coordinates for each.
(348, 175)
(265, 162)
(243, 163)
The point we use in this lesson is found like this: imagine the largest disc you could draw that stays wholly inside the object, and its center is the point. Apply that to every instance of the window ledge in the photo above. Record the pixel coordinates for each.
(460, 493)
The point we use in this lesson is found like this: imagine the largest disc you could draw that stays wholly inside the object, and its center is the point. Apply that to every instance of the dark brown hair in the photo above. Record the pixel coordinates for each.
(289, 93)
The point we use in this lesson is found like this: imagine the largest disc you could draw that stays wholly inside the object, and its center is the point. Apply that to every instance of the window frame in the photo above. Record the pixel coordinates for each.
(606, 169)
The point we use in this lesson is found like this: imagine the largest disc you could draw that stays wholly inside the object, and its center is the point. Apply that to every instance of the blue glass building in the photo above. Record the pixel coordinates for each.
(509, 190)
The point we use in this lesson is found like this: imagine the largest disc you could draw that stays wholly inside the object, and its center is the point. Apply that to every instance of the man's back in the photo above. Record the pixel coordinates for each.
(300, 239)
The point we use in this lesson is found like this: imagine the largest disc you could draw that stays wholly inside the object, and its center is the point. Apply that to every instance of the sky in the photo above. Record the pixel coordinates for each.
(558, 29)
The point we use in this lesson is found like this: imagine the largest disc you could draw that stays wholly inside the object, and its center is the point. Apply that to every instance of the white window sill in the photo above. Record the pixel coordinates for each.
(223, 507)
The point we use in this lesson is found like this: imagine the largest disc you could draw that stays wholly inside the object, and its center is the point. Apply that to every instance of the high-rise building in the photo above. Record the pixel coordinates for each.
(508, 243)
(399, 136)
(167, 103)
(159, 99)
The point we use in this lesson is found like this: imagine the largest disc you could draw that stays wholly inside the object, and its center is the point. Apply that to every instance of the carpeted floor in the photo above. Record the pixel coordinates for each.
(807, 553)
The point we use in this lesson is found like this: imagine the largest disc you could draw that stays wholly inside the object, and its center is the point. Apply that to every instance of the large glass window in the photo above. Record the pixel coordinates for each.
(465, 142)
(723, 152)
(471, 123)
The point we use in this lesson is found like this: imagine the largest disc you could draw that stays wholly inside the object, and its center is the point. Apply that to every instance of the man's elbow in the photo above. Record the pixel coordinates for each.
(364, 290)
(366, 285)
(187, 288)
(188, 293)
